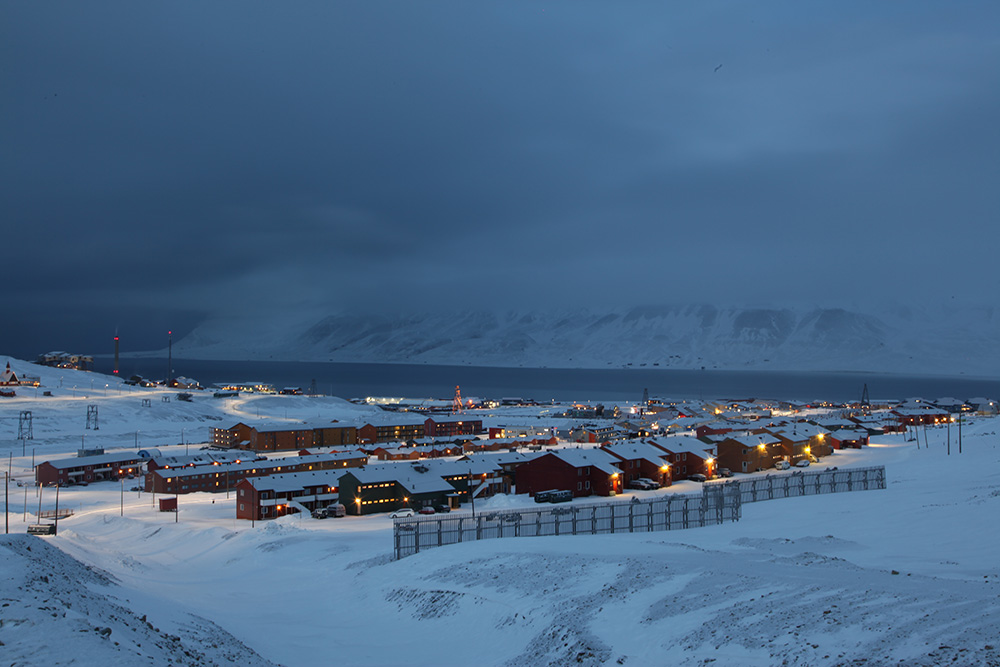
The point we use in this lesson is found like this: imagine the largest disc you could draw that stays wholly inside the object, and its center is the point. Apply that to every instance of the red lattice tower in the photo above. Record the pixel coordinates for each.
(456, 403)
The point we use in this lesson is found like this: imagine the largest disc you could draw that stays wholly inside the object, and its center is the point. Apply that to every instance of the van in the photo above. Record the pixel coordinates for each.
(782, 465)
(543, 496)
(560, 496)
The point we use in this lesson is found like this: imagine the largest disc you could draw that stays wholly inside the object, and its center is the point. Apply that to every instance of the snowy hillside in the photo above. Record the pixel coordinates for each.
(938, 342)
(903, 576)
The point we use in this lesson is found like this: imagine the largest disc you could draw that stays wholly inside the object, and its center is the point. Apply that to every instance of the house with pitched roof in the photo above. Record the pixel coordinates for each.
(584, 471)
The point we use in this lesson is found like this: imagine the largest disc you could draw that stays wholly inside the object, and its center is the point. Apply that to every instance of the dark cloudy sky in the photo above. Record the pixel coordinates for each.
(163, 162)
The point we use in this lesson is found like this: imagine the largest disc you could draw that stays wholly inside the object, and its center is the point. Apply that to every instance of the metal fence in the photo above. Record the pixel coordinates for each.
(803, 483)
(717, 503)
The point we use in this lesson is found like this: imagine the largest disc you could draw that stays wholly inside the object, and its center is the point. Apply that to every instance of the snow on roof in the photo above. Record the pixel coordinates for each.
(754, 439)
(446, 468)
(293, 481)
(503, 458)
(799, 431)
(848, 434)
(636, 449)
(255, 465)
(404, 474)
(201, 458)
(580, 458)
(392, 419)
(684, 443)
(96, 460)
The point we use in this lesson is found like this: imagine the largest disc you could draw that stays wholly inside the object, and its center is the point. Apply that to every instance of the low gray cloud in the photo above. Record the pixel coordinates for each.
(192, 159)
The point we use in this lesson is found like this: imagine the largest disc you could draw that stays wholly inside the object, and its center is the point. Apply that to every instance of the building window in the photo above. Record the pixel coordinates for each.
(241, 507)
(579, 486)
(587, 485)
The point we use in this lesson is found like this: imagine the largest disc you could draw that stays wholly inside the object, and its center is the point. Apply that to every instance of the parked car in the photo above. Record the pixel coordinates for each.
(782, 465)
(401, 513)
(725, 472)
(651, 483)
(335, 510)
(427, 510)
(441, 509)
(804, 463)
(698, 477)
(543, 496)
(640, 484)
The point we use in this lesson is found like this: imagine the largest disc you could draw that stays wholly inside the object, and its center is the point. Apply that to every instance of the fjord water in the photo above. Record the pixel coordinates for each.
(350, 380)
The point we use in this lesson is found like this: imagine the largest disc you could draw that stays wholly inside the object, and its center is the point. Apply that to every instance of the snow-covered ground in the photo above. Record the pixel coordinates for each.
(905, 576)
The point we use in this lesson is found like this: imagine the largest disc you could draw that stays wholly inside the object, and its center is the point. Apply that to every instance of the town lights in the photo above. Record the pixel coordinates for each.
(762, 446)
(665, 468)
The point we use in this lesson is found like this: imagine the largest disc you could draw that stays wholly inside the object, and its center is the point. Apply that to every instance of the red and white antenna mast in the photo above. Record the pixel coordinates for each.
(456, 403)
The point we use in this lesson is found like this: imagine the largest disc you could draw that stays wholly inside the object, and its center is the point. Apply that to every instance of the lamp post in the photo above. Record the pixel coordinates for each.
(472, 496)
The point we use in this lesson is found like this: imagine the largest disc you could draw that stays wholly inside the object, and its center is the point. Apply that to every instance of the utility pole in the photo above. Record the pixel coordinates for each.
(959, 432)
(55, 529)
(472, 496)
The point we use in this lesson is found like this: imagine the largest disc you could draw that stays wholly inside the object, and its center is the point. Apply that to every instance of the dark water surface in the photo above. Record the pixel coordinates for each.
(349, 380)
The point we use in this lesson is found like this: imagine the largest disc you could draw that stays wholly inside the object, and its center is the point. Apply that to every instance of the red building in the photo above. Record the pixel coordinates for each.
(585, 472)
(398, 428)
(277, 495)
(191, 479)
(749, 453)
(847, 438)
(687, 456)
(66, 472)
(637, 459)
(438, 427)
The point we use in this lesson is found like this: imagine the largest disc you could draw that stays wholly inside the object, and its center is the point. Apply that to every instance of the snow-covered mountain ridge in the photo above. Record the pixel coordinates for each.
(959, 341)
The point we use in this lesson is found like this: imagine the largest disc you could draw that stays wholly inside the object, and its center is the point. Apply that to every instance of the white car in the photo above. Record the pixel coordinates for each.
(782, 465)
(402, 513)
(804, 463)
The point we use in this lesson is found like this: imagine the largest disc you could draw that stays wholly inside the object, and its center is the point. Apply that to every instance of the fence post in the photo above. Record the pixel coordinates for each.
(440, 524)
(416, 536)
(631, 527)
(395, 539)
(574, 520)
